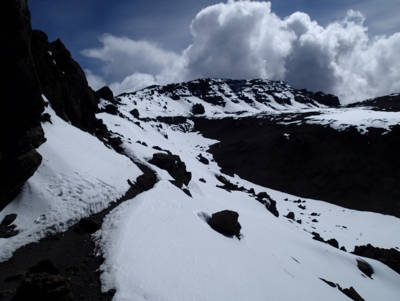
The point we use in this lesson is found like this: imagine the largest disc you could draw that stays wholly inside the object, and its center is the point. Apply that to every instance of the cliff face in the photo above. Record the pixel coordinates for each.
(64, 83)
(33, 66)
(21, 104)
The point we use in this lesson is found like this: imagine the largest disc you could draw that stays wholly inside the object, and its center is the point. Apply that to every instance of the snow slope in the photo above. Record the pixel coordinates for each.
(78, 176)
(159, 247)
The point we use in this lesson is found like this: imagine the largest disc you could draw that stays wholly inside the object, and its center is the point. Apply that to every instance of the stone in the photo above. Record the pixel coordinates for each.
(390, 257)
(333, 242)
(203, 160)
(226, 222)
(290, 215)
(365, 267)
(174, 166)
(8, 219)
(198, 109)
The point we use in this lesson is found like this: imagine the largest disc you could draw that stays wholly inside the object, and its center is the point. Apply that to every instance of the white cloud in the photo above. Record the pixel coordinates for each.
(95, 82)
(244, 39)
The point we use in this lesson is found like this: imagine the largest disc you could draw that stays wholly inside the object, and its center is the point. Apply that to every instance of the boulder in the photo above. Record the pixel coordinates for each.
(8, 219)
(365, 267)
(290, 215)
(226, 222)
(333, 242)
(198, 109)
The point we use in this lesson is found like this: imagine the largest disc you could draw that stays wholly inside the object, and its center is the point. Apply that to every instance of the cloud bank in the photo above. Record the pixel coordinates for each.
(244, 39)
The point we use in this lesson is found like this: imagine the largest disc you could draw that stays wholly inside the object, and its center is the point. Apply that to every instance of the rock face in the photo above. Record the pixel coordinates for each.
(345, 168)
(226, 222)
(64, 83)
(21, 104)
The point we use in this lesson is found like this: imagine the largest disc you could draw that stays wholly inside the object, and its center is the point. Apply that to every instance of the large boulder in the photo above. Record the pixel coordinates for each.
(226, 222)
(390, 257)
(21, 104)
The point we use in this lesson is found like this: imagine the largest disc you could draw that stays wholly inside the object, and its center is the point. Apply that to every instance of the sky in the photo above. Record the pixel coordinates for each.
(344, 47)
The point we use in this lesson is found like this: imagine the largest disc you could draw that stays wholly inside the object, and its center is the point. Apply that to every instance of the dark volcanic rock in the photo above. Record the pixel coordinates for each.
(365, 267)
(226, 222)
(21, 103)
(352, 294)
(64, 83)
(106, 93)
(390, 257)
(198, 109)
(44, 287)
(8, 219)
(269, 203)
(45, 266)
(333, 242)
(203, 160)
(290, 215)
(312, 161)
(175, 167)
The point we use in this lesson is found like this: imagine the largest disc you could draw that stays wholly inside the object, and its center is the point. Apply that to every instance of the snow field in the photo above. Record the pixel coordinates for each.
(157, 247)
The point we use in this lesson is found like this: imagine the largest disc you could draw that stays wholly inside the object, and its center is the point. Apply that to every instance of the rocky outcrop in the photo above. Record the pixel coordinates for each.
(174, 166)
(21, 104)
(64, 83)
(390, 257)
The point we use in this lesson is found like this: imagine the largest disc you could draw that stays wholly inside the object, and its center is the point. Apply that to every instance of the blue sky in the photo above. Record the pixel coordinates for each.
(164, 30)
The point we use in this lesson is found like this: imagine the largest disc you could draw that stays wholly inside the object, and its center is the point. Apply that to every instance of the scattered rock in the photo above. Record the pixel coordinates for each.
(314, 220)
(226, 222)
(330, 283)
(333, 242)
(203, 159)
(302, 207)
(343, 248)
(290, 215)
(365, 267)
(202, 180)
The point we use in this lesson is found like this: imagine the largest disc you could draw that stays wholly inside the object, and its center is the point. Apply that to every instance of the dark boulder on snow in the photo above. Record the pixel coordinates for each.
(290, 215)
(352, 294)
(269, 203)
(226, 222)
(365, 267)
(135, 113)
(203, 160)
(21, 103)
(8, 219)
(174, 166)
(198, 109)
(390, 257)
(333, 242)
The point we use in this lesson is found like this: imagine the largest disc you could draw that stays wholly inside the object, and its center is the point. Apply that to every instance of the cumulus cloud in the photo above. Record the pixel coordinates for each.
(244, 39)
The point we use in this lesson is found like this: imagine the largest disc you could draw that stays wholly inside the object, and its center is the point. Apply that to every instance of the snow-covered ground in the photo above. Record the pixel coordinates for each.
(78, 176)
(158, 245)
